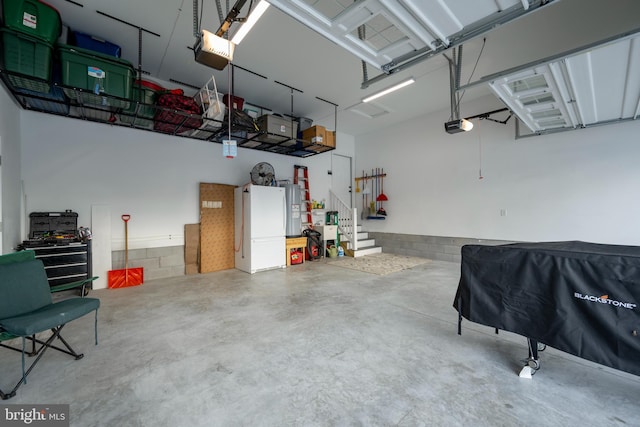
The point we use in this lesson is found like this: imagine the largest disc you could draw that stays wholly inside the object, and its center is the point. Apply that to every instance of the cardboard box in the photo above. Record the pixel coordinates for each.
(318, 139)
(330, 138)
(191, 248)
(314, 135)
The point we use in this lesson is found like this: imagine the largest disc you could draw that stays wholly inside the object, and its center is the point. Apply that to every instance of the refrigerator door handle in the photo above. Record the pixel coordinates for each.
(284, 211)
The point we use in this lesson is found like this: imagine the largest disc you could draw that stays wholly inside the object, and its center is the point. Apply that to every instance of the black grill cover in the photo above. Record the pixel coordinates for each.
(581, 298)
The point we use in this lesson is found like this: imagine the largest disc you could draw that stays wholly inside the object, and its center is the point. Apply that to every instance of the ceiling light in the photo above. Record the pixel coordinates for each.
(250, 22)
(455, 126)
(389, 90)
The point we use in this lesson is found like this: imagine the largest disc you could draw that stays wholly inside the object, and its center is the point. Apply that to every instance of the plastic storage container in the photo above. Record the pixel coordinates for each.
(279, 129)
(52, 223)
(53, 102)
(24, 54)
(303, 124)
(144, 93)
(32, 17)
(233, 102)
(96, 75)
(93, 43)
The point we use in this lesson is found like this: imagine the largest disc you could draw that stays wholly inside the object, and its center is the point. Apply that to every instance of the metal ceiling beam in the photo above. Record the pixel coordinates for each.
(567, 129)
(553, 58)
(481, 27)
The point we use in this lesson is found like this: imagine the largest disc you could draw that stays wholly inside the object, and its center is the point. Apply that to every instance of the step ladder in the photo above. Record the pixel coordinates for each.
(306, 194)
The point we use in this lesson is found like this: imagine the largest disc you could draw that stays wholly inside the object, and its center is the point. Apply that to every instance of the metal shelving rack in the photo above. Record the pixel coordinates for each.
(81, 107)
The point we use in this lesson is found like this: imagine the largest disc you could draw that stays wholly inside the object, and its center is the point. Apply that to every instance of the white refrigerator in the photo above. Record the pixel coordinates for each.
(260, 222)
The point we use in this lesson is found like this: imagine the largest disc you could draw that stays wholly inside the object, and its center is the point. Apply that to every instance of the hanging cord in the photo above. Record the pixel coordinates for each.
(166, 49)
(230, 91)
(484, 43)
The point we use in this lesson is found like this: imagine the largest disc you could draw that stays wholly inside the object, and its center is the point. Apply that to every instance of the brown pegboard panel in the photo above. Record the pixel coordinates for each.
(216, 227)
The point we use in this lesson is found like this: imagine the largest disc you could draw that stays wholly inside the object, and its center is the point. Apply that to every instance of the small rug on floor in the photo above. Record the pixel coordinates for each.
(380, 264)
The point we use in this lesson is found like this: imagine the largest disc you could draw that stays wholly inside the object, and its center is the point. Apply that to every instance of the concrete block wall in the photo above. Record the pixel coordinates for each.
(169, 261)
(156, 262)
(439, 248)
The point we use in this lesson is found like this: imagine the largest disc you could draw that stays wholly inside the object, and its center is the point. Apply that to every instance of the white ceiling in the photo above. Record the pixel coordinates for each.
(283, 50)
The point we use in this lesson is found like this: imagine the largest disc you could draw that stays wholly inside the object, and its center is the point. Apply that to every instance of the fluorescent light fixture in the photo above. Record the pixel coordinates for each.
(389, 90)
(250, 22)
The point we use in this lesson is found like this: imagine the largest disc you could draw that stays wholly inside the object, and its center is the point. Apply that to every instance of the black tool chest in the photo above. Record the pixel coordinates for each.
(65, 263)
(54, 238)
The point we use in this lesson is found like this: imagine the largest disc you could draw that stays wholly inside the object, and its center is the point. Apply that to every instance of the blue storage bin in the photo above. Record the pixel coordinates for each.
(96, 44)
(53, 102)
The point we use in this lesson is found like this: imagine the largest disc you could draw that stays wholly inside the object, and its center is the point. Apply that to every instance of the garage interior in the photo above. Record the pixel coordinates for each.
(314, 343)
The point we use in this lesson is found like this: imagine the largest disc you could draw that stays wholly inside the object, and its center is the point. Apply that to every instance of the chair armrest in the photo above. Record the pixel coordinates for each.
(73, 285)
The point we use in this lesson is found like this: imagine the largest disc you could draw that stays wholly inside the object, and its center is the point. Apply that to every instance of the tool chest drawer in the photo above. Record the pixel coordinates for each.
(64, 263)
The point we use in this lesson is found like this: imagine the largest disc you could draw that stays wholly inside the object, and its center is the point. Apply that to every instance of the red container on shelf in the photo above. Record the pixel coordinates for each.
(234, 102)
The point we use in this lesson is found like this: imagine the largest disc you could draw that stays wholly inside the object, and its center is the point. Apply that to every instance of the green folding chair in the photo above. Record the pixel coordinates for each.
(27, 308)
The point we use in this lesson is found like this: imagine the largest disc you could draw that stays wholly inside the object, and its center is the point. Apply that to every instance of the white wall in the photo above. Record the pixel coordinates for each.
(74, 164)
(577, 185)
(10, 213)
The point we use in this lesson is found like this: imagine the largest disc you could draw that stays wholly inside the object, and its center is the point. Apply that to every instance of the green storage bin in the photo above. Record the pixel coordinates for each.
(26, 55)
(32, 17)
(145, 93)
(97, 75)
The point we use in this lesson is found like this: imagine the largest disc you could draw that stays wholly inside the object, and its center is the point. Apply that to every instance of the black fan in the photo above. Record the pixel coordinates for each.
(263, 174)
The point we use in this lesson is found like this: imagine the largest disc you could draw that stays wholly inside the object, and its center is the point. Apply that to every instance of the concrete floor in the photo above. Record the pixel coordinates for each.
(312, 345)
